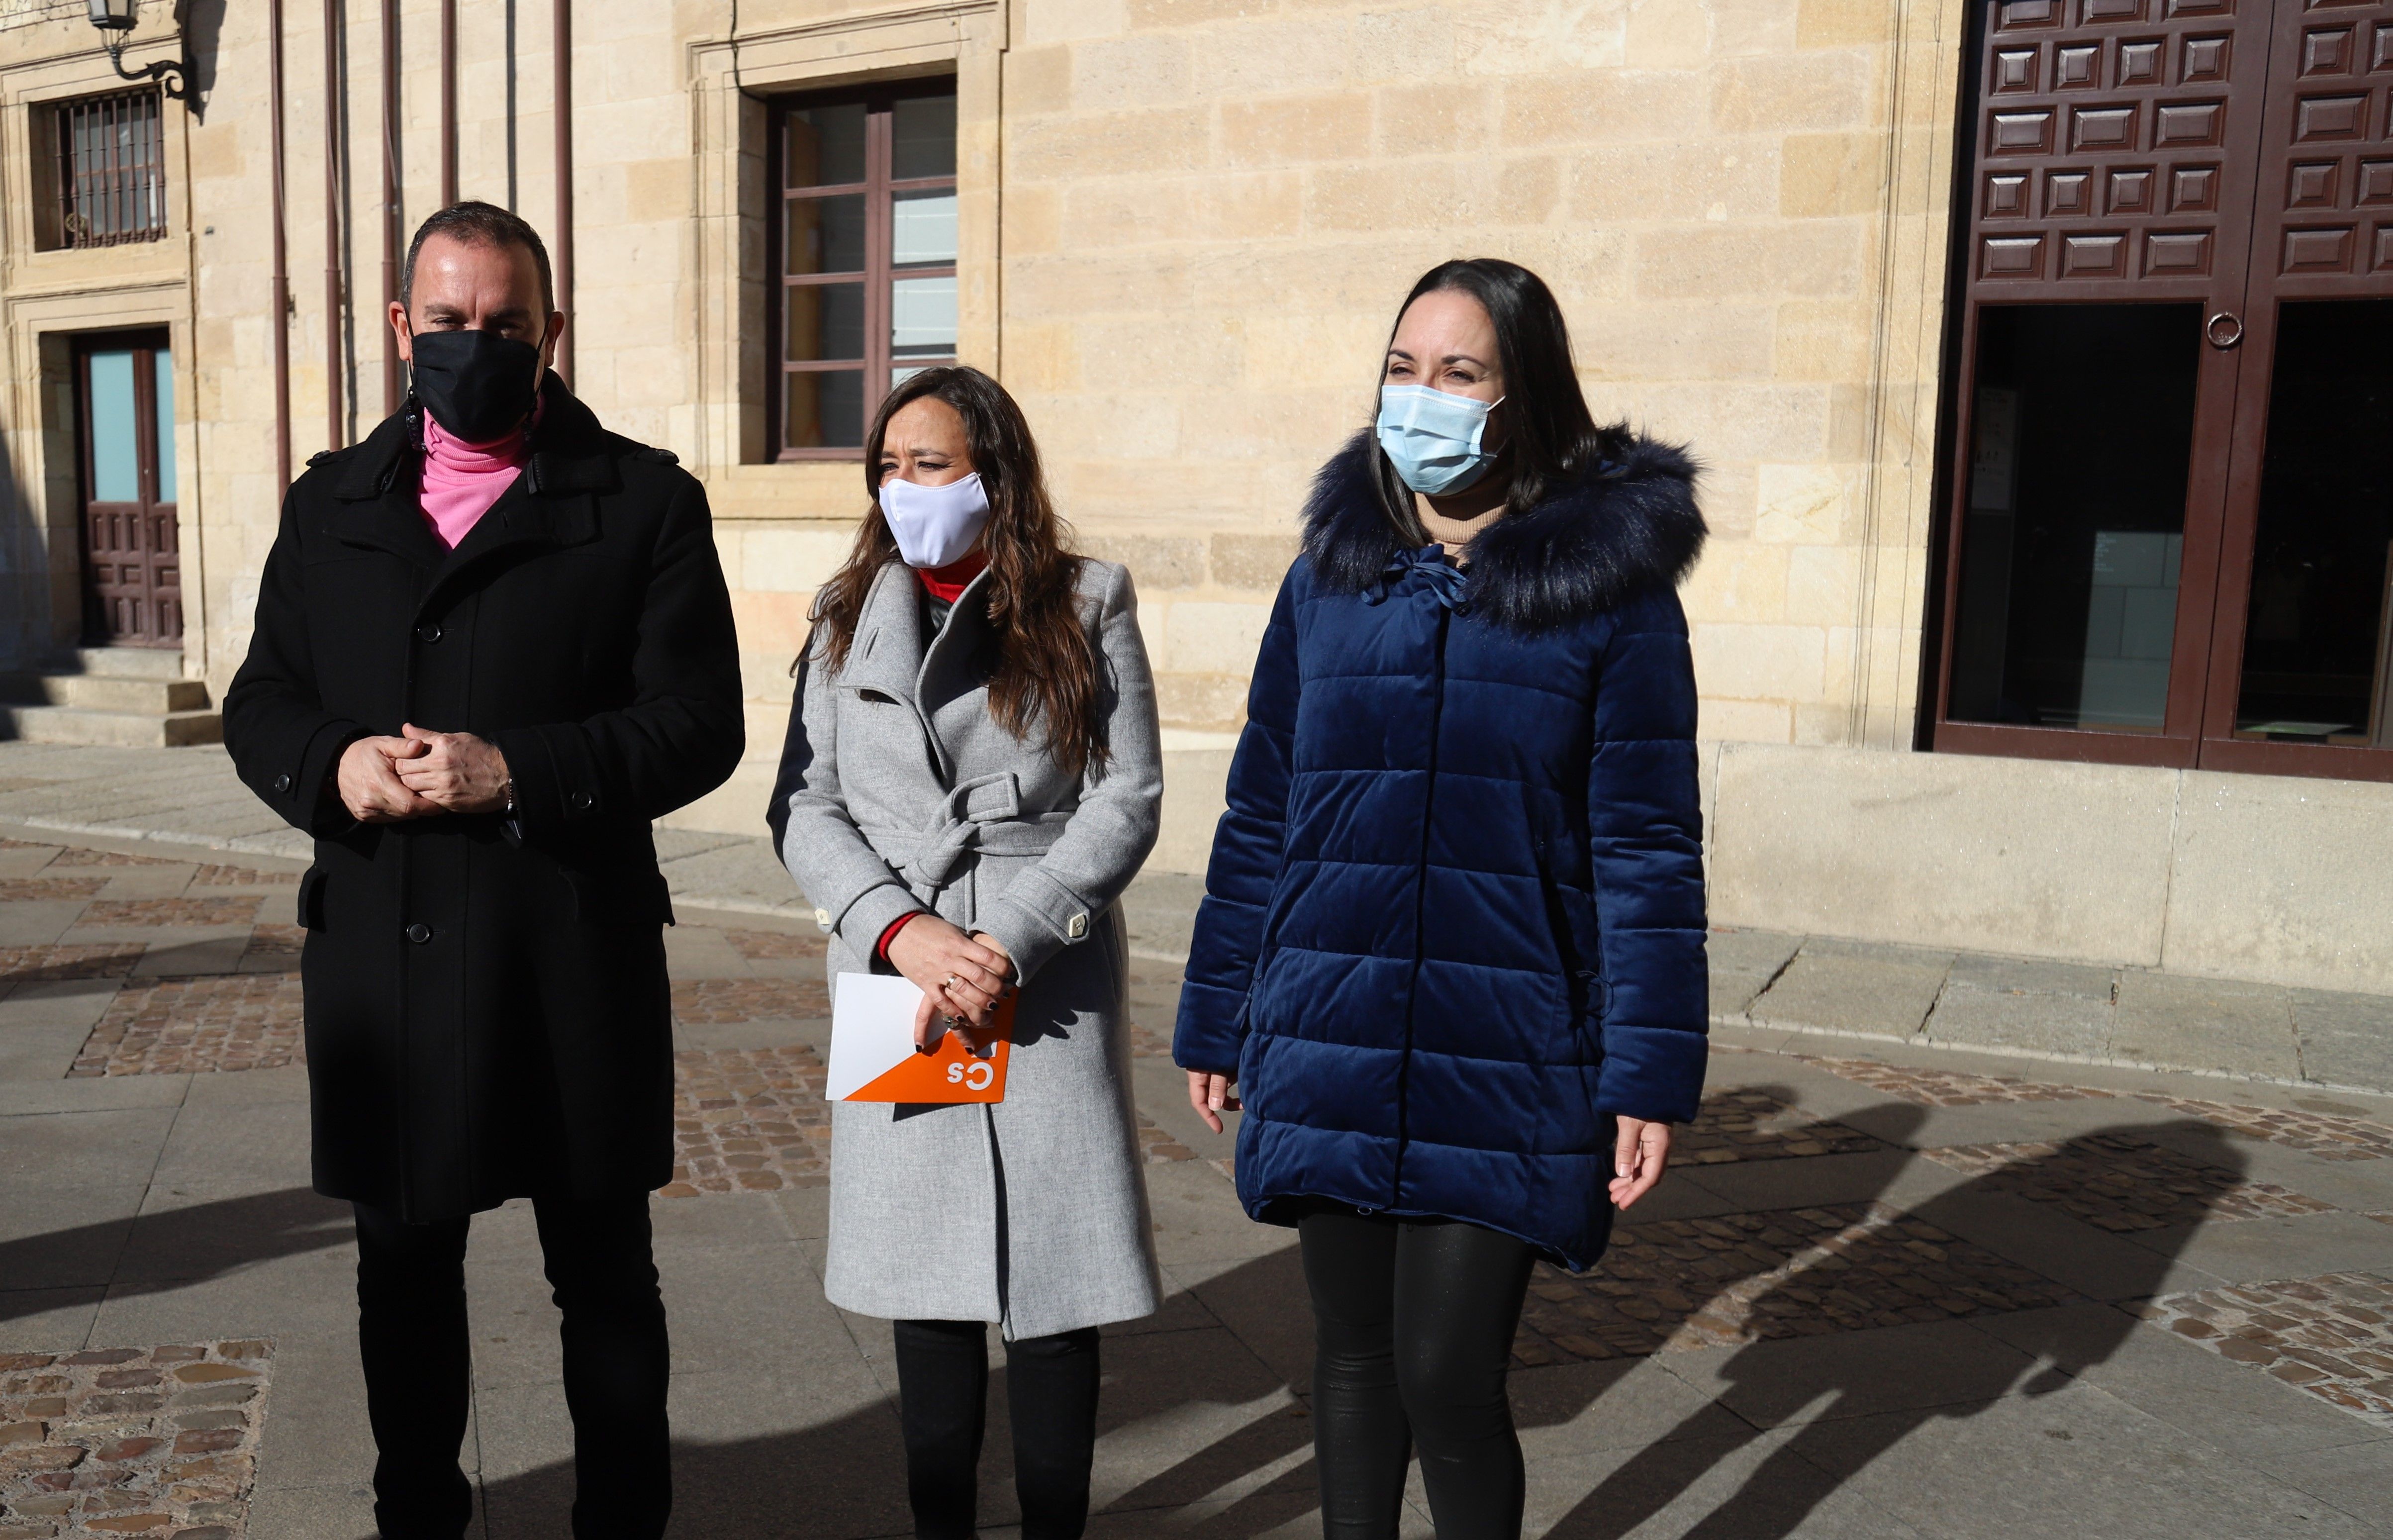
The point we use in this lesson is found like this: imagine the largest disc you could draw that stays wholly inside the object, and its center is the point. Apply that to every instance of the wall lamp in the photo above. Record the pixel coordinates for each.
(114, 19)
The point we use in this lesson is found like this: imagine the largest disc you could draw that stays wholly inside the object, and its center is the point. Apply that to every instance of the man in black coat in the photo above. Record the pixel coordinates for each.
(492, 643)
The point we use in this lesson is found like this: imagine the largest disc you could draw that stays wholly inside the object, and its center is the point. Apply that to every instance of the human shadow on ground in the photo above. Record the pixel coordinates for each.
(1873, 1404)
(168, 1248)
(1201, 1423)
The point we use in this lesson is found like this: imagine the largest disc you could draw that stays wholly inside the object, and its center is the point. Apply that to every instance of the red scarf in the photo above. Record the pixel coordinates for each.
(948, 583)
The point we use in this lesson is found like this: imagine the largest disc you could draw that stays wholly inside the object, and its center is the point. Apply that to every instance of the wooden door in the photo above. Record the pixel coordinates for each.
(2106, 225)
(2178, 224)
(132, 568)
(2303, 631)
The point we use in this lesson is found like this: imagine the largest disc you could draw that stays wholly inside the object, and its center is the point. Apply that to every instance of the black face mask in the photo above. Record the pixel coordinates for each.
(478, 386)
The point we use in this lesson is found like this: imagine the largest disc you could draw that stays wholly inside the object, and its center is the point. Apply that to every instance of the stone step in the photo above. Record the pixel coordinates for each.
(129, 663)
(104, 692)
(81, 724)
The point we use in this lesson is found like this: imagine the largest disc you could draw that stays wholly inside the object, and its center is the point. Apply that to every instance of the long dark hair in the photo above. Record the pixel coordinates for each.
(1046, 674)
(1554, 438)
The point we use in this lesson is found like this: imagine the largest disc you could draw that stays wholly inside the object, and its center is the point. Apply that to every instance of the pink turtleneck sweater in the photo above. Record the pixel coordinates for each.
(462, 480)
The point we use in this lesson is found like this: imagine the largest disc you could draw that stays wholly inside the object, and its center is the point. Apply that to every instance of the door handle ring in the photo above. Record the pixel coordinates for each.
(2224, 330)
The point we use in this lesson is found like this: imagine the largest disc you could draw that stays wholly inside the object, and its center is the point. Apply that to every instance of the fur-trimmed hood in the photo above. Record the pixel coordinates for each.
(1629, 526)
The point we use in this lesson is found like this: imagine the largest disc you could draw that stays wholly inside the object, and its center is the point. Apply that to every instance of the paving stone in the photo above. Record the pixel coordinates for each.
(1686, 1284)
(750, 1120)
(1930, 1087)
(169, 912)
(2014, 1003)
(1841, 987)
(2331, 1335)
(109, 1442)
(2328, 1136)
(776, 945)
(1754, 1125)
(705, 1001)
(198, 1027)
(56, 889)
(2346, 1039)
(2118, 1183)
(23, 964)
(214, 876)
(71, 856)
(2213, 1025)
(1742, 965)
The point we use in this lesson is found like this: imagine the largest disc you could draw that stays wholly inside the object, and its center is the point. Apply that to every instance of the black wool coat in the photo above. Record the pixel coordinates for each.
(488, 1014)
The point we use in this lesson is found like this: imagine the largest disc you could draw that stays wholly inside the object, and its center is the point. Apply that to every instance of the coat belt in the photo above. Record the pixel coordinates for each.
(984, 815)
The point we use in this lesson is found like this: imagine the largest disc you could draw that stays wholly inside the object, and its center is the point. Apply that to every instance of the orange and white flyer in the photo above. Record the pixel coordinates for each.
(872, 1055)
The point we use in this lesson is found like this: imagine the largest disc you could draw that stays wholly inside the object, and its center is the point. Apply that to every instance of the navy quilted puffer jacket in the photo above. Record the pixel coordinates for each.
(1455, 917)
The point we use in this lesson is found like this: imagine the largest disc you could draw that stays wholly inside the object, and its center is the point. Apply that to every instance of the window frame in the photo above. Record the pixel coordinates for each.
(879, 276)
(2229, 450)
(140, 181)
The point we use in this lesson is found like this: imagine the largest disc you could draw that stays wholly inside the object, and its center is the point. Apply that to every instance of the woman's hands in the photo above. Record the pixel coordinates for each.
(1639, 1160)
(1212, 1095)
(958, 975)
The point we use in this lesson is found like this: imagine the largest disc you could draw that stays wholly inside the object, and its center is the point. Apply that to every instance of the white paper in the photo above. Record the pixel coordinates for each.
(871, 1029)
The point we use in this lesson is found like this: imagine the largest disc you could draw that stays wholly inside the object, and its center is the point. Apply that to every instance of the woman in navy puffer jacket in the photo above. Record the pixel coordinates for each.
(1452, 943)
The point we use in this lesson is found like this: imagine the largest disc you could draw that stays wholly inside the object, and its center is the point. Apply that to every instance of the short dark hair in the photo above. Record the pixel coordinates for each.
(1554, 438)
(480, 224)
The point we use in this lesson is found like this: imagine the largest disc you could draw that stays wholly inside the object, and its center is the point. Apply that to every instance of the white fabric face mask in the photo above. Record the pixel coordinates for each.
(934, 525)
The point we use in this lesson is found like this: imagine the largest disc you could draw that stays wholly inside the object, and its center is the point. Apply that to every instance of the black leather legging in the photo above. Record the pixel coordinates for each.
(1414, 1322)
(1051, 1385)
(419, 1367)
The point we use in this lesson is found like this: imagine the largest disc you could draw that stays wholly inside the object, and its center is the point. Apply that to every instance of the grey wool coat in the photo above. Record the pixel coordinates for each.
(899, 791)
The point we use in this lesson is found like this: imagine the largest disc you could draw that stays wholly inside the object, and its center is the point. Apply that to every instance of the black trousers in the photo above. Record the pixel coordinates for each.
(1413, 1322)
(419, 1367)
(1051, 1393)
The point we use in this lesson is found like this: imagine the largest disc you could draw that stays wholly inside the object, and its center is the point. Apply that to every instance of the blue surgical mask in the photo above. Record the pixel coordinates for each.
(1433, 438)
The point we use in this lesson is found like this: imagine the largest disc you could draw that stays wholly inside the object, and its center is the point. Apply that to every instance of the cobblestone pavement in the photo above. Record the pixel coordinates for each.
(2200, 1262)
(2331, 1335)
(1684, 1284)
(750, 1120)
(111, 1442)
(2120, 1182)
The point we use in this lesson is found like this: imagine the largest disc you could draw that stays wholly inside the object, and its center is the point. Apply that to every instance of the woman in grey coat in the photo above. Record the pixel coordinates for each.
(971, 776)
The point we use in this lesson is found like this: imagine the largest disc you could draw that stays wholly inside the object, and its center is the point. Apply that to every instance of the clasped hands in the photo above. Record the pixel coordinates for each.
(1639, 1156)
(419, 773)
(963, 977)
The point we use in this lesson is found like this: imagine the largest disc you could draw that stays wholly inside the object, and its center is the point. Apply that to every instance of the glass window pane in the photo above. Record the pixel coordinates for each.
(922, 317)
(826, 321)
(115, 458)
(165, 365)
(2083, 428)
(825, 235)
(824, 410)
(925, 135)
(2315, 637)
(824, 146)
(925, 229)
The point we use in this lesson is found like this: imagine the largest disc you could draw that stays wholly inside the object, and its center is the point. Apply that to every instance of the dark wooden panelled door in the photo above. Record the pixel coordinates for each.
(2306, 597)
(2156, 190)
(132, 566)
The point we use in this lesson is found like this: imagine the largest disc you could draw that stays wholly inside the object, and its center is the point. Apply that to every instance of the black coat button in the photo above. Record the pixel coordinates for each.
(583, 802)
(282, 784)
(429, 631)
(419, 932)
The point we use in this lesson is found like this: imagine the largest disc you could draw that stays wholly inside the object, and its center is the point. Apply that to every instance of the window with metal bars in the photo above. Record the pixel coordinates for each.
(111, 170)
(862, 247)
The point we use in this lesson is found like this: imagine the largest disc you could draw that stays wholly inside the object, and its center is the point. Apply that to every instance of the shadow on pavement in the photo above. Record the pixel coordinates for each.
(1768, 1389)
(1250, 1470)
(169, 1249)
